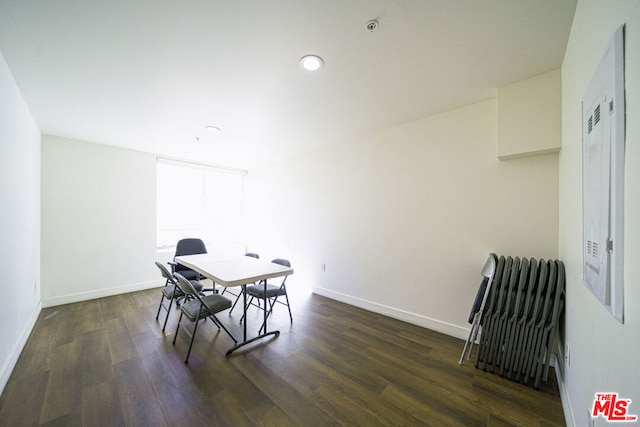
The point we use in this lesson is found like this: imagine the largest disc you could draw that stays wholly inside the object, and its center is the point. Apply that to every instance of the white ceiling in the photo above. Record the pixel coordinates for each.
(150, 74)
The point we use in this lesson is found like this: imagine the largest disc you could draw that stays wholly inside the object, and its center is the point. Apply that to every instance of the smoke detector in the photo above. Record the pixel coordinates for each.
(372, 25)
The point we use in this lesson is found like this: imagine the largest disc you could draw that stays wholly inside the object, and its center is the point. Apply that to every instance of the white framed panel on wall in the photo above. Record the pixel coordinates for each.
(603, 140)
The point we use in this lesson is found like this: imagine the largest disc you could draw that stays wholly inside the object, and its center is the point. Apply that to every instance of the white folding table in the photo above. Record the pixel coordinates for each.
(237, 272)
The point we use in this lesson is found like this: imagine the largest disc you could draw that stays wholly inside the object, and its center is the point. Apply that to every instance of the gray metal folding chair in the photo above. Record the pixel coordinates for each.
(519, 328)
(498, 341)
(544, 315)
(510, 334)
(270, 293)
(529, 326)
(478, 307)
(171, 292)
(527, 307)
(200, 308)
(492, 325)
(550, 336)
(487, 316)
(188, 246)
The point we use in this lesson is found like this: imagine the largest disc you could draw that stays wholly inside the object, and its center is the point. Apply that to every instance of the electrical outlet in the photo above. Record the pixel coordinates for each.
(323, 267)
(567, 356)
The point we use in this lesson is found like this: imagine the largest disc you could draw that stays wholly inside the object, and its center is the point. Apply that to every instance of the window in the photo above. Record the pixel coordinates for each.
(196, 200)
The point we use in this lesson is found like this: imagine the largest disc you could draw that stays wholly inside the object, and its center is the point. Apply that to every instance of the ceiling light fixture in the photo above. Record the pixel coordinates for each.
(311, 62)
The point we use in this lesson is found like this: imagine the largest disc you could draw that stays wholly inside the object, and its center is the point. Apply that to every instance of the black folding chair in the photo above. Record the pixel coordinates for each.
(478, 306)
(270, 293)
(171, 292)
(200, 308)
(187, 247)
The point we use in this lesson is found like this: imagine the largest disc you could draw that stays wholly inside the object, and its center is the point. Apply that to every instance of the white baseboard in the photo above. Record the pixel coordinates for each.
(10, 362)
(413, 318)
(100, 293)
(564, 394)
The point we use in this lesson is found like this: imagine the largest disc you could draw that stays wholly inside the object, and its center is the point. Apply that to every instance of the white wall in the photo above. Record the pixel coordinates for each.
(98, 221)
(19, 222)
(603, 352)
(404, 219)
(530, 116)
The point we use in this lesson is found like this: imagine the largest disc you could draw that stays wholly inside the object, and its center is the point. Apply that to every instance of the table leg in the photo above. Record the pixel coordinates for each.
(244, 312)
(265, 305)
(260, 336)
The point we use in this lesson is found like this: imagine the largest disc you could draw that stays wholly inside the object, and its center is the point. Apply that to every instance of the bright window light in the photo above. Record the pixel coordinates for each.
(198, 201)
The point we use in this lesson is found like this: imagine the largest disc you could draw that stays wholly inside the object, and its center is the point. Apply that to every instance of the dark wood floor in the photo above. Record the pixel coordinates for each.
(106, 362)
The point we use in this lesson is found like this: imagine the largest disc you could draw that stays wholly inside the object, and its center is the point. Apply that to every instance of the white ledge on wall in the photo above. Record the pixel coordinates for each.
(529, 117)
(529, 154)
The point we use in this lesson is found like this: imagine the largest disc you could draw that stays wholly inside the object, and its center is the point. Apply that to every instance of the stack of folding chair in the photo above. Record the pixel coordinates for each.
(515, 317)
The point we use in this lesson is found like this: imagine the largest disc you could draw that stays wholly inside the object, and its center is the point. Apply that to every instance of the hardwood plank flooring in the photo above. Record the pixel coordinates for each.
(107, 362)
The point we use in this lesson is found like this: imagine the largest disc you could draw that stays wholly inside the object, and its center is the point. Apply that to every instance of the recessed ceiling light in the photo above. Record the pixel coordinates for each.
(311, 62)
(212, 129)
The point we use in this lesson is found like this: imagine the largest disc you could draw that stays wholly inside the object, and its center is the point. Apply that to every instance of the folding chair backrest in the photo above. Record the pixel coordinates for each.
(281, 261)
(191, 291)
(513, 287)
(186, 286)
(495, 287)
(549, 297)
(165, 273)
(482, 295)
(543, 283)
(188, 246)
(559, 296)
(489, 267)
(504, 287)
(522, 286)
(530, 294)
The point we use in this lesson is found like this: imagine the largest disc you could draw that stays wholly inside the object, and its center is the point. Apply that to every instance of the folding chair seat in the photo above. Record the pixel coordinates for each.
(171, 292)
(199, 308)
